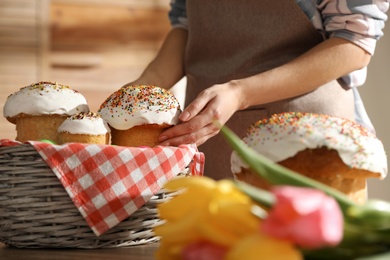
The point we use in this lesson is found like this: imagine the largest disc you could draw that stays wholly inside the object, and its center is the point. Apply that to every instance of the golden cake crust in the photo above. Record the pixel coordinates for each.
(322, 165)
(36, 128)
(335, 151)
(65, 137)
(142, 135)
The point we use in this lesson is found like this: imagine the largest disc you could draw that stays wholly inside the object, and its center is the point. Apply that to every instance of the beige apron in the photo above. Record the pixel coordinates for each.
(231, 39)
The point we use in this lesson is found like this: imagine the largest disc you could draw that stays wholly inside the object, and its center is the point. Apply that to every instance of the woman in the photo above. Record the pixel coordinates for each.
(247, 60)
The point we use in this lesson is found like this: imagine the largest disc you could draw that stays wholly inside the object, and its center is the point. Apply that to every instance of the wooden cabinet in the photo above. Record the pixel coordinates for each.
(23, 41)
(97, 46)
(94, 46)
(24, 49)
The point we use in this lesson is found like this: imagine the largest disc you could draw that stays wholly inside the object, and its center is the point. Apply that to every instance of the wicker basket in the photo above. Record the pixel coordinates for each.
(36, 211)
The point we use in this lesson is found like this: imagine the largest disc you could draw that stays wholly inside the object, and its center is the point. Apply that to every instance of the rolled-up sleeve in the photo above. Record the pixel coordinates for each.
(360, 21)
(178, 14)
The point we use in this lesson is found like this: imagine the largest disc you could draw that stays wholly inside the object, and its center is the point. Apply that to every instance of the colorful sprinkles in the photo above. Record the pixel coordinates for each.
(41, 86)
(44, 97)
(137, 98)
(85, 115)
(295, 129)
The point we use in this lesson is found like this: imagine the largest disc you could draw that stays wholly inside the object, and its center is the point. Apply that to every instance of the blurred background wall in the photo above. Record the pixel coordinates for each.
(376, 96)
(96, 46)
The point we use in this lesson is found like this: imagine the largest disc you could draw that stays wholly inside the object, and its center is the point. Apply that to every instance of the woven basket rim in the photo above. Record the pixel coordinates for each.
(37, 212)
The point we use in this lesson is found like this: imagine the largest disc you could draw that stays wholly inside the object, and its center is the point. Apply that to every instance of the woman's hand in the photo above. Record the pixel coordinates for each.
(217, 103)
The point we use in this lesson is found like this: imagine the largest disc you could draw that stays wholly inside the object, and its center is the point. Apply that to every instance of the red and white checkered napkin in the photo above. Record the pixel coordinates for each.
(109, 183)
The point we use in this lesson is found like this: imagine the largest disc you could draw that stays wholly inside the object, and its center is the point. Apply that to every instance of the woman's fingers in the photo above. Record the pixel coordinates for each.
(188, 133)
(198, 105)
(215, 103)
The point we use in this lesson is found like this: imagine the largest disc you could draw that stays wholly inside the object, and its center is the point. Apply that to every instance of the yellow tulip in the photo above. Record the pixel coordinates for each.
(259, 246)
(206, 210)
(215, 234)
(196, 193)
(179, 232)
(184, 204)
(195, 182)
(236, 217)
(169, 252)
(231, 210)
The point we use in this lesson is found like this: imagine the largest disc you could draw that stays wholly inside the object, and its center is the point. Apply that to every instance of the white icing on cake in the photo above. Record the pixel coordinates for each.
(84, 123)
(139, 105)
(284, 135)
(44, 98)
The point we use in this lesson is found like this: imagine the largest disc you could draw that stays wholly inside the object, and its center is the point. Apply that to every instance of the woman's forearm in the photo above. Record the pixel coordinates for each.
(167, 67)
(327, 61)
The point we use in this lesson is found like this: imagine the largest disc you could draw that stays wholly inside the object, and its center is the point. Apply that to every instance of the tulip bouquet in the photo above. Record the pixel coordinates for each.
(297, 219)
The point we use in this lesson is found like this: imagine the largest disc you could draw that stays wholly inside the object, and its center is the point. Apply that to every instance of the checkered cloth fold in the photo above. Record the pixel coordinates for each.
(109, 183)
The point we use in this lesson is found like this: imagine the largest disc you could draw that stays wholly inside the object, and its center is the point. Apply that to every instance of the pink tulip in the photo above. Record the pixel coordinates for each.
(305, 216)
(203, 251)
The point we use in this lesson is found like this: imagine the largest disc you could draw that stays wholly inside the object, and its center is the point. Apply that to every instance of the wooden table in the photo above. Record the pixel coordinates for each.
(145, 252)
